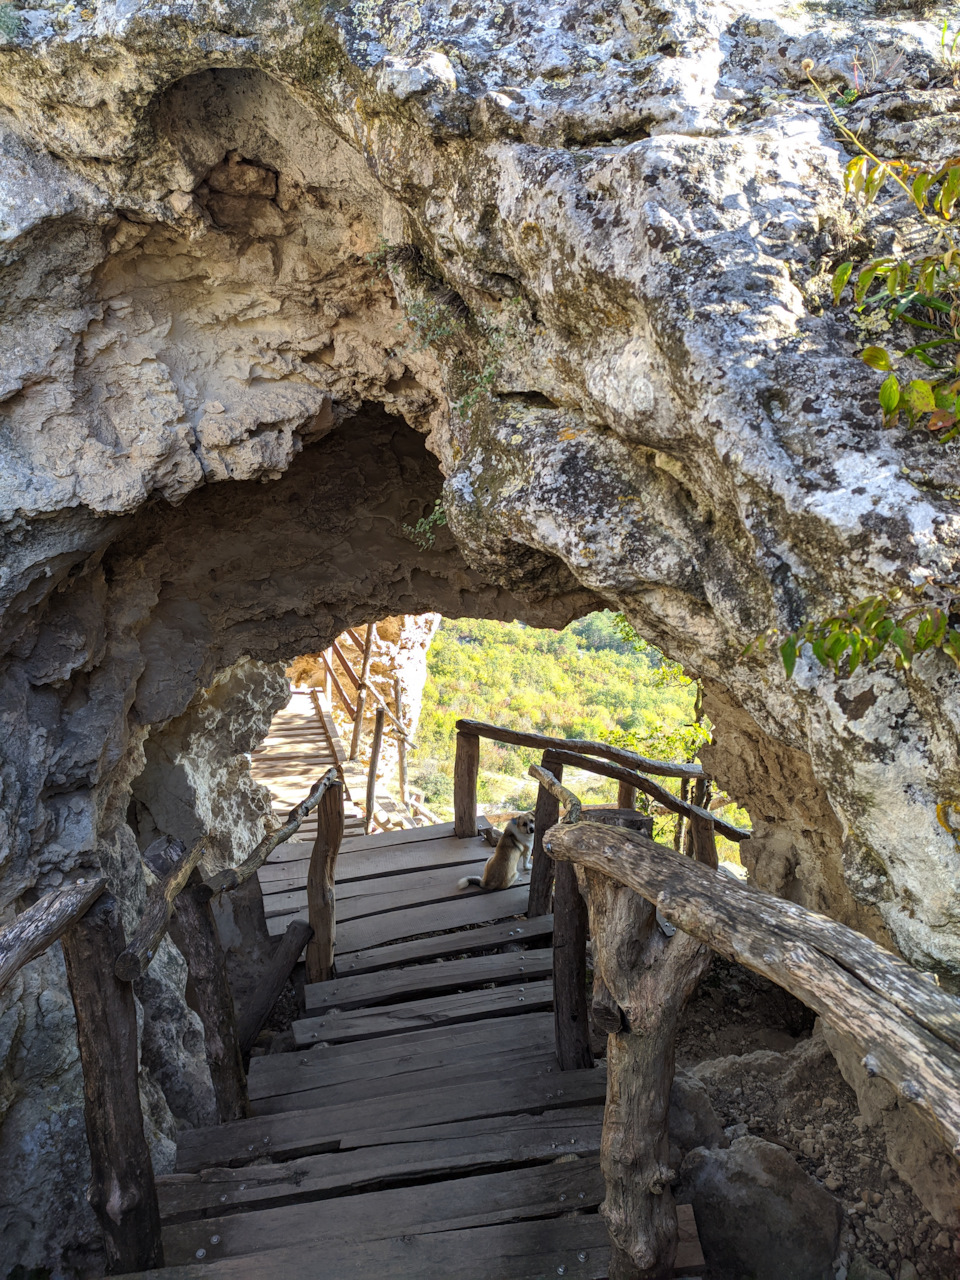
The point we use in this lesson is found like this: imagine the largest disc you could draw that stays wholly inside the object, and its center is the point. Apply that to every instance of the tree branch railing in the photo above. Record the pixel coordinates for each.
(908, 1029)
(100, 969)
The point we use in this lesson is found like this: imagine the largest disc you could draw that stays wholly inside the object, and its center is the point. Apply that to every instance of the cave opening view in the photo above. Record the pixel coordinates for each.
(480, 640)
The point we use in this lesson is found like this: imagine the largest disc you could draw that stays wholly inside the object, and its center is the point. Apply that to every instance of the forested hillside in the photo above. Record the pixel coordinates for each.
(587, 681)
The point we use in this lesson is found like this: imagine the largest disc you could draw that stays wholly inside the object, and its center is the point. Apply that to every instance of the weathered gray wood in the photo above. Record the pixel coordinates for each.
(384, 1020)
(546, 814)
(480, 1201)
(357, 864)
(508, 1251)
(281, 964)
(466, 769)
(476, 1144)
(321, 879)
(381, 840)
(161, 898)
(353, 992)
(317, 1129)
(626, 796)
(122, 1192)
(401, 743)
(550, 781)
(351, 710)
(652, 789)
(581, 746)
(484, 1072)
(234, 876)
(908, 1028)
(390, 894)
(43, 923)
(570, 972)
(394, 926)
(372, 772)
(511, 932)
(193, 930)
(379, 1059)
(642, 980)
(366, 648)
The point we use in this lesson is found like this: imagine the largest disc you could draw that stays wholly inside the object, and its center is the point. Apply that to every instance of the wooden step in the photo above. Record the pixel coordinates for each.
(543, 1191)
(437, 1011)
(507, 934)
(395, 926)
(442, 1149)
(416, 888)
(356, 991)
(310, 1131)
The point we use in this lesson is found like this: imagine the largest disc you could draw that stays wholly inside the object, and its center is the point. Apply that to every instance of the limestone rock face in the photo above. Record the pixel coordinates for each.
(275, 277)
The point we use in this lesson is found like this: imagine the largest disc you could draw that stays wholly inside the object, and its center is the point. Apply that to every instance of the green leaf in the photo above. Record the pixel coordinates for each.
(903, 642)
(874, 183)
(951, 645)
(855, 174)
(865, 279)
(889, 394)
(919, 396)
(876, 358)
(839, 281)
(949, 192)
(921, 184)
(788, 654)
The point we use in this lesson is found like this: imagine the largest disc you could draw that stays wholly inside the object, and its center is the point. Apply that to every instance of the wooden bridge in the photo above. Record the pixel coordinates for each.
(442, 1116)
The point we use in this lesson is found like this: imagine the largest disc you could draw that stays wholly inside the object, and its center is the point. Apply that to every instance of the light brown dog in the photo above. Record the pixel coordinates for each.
(513, 848)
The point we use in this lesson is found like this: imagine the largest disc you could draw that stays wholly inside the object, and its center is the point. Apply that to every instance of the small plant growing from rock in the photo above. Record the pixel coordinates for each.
(424, 532)
(920, 289)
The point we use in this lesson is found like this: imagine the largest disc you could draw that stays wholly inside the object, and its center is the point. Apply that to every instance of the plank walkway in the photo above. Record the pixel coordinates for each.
(421, 1129)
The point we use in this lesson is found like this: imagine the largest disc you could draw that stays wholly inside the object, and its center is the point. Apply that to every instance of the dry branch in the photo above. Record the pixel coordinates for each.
(652, 789)
(161, 896)
(663, 768)
(572, 806)
(43, 923)
(332, 676)
(321, 881)
(908, 1028)
(234, 876)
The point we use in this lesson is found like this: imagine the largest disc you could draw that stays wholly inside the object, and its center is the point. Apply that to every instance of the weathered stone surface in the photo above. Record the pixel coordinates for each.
(913, 1148)
(263, 266)
(758, 1214)
(693, 1121)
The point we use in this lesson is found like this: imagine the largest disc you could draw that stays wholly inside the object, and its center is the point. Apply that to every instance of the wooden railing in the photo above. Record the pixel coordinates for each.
(646, 966)
(101, 967)
(629, 769)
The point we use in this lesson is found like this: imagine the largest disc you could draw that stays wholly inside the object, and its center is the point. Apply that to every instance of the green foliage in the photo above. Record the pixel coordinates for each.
(920, 289)
(586, 681)
(424, 532)
(859, 635)
(9, 20)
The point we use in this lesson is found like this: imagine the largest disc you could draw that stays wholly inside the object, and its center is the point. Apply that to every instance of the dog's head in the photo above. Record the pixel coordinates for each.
(525, 823)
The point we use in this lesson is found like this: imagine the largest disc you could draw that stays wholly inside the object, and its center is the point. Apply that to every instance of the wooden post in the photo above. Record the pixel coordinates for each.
(321, 879)
(341, 694)
(546, 815)
(362, 692)
(401, 744)
(327, 683)
(626, 796)
(702, 841)
(161, 897)
(122, 1192)
(193, 930)
(466, 768)
(372, 774)
(281, 965)
(571, 1028)
(642, 980)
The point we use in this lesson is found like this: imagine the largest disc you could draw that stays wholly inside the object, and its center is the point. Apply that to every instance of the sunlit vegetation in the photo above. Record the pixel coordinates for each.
(591, 680)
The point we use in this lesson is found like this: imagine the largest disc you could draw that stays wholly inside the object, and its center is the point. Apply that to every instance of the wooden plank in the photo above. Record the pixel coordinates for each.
(570, 970)
(572, 1246)
(353, 992)
(37, 928)
(437, 1011)
(272, 982)
(509, 933)
(398, 858)
(455, 913)
(444, 1148)
(300, 1133)
(390, 894)
(480, 1201)
(483, 1071)
(333, 1064)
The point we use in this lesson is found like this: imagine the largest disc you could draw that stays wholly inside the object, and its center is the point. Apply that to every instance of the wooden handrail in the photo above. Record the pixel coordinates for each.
(909, 1029)
(581, 746)
(332, 676)
(234, 876)
(372, 772)
(559, 792)
(659, 793)
(161, 896)
(366, 649)
(37, 928)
